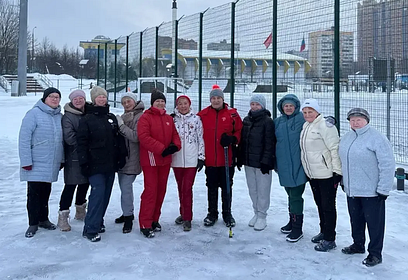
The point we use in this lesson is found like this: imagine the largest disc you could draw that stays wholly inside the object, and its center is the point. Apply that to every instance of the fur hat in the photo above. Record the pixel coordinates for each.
(216, 91)
(259, 98)
(156, 94)
(129, 94)
(311, 103)
(183, 96)
(77, 93)
(48, 91)
(358, 112)
(96, 91)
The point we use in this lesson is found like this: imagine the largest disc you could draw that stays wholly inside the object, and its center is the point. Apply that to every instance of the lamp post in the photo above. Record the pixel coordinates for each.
(32, 49)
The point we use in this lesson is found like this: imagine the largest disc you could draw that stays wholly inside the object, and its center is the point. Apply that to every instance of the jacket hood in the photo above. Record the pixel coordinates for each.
(47, 109)
(259, 113)
(154, 111)
(97, 110)
(293, 98)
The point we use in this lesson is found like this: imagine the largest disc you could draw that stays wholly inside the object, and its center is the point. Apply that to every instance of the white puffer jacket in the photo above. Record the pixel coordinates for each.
(319, 144)
(190, 130)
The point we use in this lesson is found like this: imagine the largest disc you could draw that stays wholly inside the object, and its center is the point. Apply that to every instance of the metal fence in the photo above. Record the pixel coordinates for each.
(345, 54)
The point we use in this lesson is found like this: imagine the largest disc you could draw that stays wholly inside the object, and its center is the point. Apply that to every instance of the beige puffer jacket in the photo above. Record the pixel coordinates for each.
(319, 144)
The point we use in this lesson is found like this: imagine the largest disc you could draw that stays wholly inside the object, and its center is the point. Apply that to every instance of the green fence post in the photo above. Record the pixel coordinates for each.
(274, 57)
(97, 67)
(337, 63)
(116, 69)
(232, 60)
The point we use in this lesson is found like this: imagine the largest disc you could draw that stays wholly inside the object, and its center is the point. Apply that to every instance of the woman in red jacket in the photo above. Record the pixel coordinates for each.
(158, 139)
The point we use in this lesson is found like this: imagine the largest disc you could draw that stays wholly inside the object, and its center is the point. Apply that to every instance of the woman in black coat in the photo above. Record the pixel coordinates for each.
(257, 153)
(73, 111)
(101, 152)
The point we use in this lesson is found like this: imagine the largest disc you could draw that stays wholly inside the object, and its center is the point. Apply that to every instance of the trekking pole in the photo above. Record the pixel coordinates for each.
(228, 185)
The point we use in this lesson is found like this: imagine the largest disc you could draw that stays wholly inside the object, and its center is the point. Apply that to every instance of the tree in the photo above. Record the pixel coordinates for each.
(9, 23)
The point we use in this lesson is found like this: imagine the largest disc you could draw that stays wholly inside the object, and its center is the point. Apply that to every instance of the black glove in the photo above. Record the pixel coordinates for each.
(200, 165)
(85, 170)
(382, 197)
(337, 178)
(227, 140)
(265, 168)
(171, 149)
(62, 165)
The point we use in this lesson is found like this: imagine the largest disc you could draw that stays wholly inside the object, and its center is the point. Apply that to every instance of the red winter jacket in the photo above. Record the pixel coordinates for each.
(156, 131)
(215, 123)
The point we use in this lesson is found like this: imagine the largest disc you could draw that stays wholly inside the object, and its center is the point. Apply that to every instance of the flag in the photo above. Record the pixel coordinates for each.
(268, 41)
(303, 45)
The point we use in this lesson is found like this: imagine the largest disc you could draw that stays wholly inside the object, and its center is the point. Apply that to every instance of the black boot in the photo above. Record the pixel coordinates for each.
(127, 227)
(121, 219)
(288, 228)
(296, 233)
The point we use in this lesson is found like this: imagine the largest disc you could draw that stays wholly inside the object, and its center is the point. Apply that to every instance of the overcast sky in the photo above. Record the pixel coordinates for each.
(71, 21)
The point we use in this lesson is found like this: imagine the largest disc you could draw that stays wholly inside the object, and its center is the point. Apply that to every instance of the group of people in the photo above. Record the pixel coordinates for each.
(301, 145)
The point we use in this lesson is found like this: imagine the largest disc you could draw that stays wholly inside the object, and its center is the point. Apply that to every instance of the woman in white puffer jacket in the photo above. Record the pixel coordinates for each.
(189, 159)
(319, 145)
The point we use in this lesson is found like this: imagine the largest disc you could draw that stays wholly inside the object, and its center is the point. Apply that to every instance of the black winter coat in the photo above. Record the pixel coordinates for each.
(258, 140)
(100, 146)
(70, 124)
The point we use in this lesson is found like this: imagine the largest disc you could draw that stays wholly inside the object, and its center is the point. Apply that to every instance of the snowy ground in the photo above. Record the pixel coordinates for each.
(203, 253)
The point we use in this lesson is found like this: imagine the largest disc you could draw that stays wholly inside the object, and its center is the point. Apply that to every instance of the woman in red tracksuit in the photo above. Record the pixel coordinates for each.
(158, 141)
(222, 128)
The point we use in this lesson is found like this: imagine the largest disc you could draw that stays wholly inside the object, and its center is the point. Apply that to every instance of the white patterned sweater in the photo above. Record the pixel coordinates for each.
(190, 130)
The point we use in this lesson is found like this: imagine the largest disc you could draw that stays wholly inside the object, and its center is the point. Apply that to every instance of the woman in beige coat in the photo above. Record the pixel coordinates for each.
(319, 144)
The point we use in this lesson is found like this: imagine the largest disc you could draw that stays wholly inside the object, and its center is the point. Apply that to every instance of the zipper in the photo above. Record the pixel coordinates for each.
(184, 139)
(348, 163)
(324, 160)
(304, 153)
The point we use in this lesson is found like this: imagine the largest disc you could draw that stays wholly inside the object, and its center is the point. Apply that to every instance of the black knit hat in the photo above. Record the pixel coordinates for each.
(48, 91)
(157, 94)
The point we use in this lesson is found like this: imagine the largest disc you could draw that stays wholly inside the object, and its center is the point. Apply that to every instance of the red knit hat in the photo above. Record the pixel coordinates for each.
(184, 96)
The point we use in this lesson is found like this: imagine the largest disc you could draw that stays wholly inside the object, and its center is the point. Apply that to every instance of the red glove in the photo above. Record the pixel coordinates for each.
(28, 168)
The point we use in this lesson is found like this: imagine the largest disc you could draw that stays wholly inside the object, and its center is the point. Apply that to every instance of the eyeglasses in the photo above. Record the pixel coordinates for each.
(53, 96)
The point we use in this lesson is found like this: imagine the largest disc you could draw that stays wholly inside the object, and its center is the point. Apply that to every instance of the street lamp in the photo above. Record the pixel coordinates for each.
(32, 49)
(82, 63)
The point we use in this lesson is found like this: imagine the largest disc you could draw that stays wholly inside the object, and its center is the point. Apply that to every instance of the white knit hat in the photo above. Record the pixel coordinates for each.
(311, 103)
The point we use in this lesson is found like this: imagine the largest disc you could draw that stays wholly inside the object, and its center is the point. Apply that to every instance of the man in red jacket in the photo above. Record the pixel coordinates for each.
(158, 139)
(222, 128)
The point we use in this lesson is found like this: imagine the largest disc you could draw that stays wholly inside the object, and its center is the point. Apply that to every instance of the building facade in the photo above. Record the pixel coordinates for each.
(382, 29)
(321, 53)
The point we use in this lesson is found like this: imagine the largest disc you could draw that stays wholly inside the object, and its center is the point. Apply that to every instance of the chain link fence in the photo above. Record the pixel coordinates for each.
(345, 54)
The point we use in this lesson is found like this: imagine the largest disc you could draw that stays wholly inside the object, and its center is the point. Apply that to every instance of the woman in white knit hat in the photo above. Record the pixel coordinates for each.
(319, 144)
(127, 126)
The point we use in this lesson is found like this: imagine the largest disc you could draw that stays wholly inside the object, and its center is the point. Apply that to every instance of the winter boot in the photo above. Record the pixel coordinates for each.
(252, 221)
(103, 229)
(317, 238)
(47, 225)
(93, 237)
(187, 225)
(128, 225)
(63, 217)
(121, 219)
(209, 221)
(147, 232)
(296, 233)
(156, 226)
(179, 220)
(31, 231)
(325, 246)
(372, 260)
(288, 228)
(229, 221)
(260, 224)
(353, 249)
(80, 212)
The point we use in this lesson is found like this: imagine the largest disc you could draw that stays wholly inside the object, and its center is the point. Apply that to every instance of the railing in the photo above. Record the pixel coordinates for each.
(4, 83)
(45, 80)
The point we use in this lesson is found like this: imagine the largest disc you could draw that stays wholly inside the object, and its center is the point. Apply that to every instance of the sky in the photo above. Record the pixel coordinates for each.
(202, 253)
(71, 21)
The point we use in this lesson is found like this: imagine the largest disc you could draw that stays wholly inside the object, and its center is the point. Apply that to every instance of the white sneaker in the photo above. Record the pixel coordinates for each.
(260, 224)
(252, 222)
